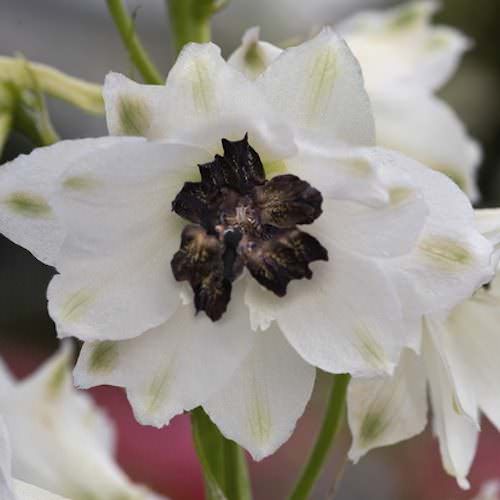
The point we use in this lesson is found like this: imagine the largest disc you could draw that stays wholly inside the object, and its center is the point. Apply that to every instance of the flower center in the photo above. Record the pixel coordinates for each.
(240, 219)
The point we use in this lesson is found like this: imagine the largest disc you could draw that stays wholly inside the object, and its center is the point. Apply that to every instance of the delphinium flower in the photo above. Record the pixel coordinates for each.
(13, 489)
(59, 439)
(458, 362)
(249, 233)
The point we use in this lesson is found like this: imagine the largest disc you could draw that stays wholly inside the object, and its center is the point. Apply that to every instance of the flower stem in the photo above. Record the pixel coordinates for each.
(5, 125)
(222, 460)
(190, 20)
(324, 441)
(136, 51)
(22, 73)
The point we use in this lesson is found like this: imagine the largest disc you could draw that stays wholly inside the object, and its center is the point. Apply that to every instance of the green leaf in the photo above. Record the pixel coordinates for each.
(222, 460)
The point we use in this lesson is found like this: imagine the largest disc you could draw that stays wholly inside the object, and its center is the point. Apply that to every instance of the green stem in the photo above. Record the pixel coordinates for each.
(222, 460)
(82, 94)
(136, 51)
(324, 441)
(190, 20)
(236, 480)
(5, 126)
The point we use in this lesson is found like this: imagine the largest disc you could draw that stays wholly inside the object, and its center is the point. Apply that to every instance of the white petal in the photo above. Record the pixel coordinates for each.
(318, 89)
(27, 491)
(488, 223)
(383, 231)
(173, 367)
(341, 174)
(433, 134)
(346, 319)
(259, 406)
(455, 361)
(253, 56)
(401, 47)
(115, 279)
(207, 99)
(451, 258)
(386, 410)
(60, 440)
(26, 186)
(6, 483)
(456, 432)
(130, 106)
(471, 345)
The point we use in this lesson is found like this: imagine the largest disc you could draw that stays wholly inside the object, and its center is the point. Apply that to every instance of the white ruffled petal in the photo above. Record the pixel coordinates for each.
(385, 231)
(471, 346)
(451, 258)
(386, 410)
(341, 174)
(401, 47)
(174, 367)
(346, 319)
(432, 134)
(253, 56)
(131, 107)
(456, 432)
(6, 483)
(207, 99)
(318, 89)
(488, 224)
(259, 406)
(27, 183)
(115, 279)
(60, 440)
(25, 491)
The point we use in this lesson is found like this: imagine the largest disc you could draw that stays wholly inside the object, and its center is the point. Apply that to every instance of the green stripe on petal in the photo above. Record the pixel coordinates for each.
(134, 116)
(322, 78)
(75, 304)
(104, 357)
(445, 251)
(28, 204)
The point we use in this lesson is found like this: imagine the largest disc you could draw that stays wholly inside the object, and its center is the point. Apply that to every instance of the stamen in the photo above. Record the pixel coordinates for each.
(243, 220)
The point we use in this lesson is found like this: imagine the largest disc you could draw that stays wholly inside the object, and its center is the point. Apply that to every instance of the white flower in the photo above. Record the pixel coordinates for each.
(13, 489)
(60, 440)
(400, 239)
(405, 60)
(459, 363)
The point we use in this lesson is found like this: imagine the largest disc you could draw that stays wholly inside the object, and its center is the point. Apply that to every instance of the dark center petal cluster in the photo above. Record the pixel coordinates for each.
(240, 219)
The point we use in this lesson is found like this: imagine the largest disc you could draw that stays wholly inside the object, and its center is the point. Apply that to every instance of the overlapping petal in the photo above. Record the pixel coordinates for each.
(60, 440)
(451, 258)
(26, 185)
(346, 319)
(386, 410)
(260, 404)
(253, 56)
(115, 279)
(318, 89)
(457, 433)
(174, 367)
(131, 107)
(432, 134)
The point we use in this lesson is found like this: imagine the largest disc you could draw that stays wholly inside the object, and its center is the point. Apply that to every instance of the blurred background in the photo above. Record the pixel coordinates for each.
(79, 38)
